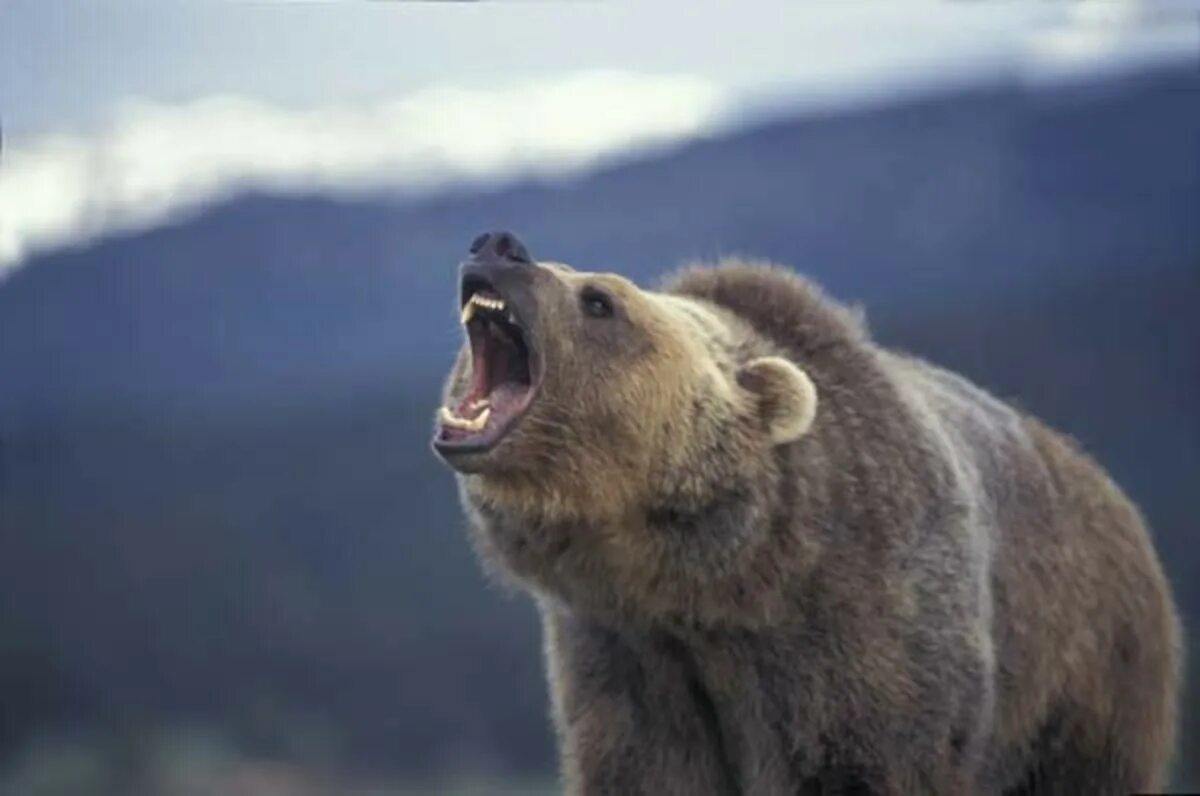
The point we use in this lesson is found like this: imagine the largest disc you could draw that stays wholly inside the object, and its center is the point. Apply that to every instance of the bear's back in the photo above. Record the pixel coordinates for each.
(1073, 575)
(986, 440)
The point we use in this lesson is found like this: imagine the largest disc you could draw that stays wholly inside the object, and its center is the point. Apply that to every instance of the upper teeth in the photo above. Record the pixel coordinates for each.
(490, 303)
(476, 300)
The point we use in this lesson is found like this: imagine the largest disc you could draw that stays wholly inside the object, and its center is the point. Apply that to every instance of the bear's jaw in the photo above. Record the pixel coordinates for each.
(502, 381)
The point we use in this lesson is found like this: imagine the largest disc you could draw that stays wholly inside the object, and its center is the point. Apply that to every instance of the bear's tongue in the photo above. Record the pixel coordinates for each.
(500, 374)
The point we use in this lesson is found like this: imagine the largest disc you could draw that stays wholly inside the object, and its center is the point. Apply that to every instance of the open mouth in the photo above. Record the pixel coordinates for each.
(502, 380)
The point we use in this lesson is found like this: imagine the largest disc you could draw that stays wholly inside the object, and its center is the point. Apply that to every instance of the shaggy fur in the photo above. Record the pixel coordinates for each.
(924, 592)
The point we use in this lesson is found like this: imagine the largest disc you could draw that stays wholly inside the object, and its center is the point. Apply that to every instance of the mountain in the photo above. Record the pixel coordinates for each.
(216, 496)
(977, 193)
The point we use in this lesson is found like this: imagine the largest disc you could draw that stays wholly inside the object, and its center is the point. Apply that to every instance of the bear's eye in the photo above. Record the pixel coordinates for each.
(596, 303)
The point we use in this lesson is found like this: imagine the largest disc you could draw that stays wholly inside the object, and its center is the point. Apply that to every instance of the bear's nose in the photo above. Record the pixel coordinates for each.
(502, 246)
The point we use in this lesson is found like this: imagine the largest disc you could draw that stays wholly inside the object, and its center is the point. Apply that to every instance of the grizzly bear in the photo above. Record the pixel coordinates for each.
(773, 557)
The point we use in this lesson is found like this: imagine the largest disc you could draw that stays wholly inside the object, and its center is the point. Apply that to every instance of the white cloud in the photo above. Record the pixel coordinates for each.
(1083, 39)
(154, 160)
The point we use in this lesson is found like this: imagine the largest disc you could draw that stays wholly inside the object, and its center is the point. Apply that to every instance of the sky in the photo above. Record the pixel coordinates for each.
(118, 116)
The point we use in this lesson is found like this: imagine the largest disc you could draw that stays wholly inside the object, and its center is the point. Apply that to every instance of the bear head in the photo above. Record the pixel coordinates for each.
(596, 426)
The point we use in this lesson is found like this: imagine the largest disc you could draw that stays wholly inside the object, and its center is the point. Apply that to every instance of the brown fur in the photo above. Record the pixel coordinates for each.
(925, 593)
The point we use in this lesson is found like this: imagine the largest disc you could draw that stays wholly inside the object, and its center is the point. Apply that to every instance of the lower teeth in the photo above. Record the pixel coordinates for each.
(448, 418)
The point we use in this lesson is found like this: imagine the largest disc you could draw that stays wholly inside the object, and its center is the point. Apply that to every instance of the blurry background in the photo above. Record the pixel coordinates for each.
(229, 563)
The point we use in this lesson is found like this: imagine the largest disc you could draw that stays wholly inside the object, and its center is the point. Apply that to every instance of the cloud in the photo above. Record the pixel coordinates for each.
(1083, 39)
(155, 160)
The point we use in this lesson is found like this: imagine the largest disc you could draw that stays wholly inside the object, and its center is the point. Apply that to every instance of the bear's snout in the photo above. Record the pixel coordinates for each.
(500, 245)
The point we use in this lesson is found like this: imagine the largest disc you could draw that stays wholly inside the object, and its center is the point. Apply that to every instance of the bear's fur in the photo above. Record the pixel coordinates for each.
(772, 557)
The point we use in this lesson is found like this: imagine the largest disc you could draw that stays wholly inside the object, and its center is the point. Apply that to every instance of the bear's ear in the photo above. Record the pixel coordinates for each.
(785, 397)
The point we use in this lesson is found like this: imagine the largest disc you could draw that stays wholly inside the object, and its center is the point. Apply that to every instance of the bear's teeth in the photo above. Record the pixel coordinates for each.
(476, 300)
(489, 303)
(448, 418)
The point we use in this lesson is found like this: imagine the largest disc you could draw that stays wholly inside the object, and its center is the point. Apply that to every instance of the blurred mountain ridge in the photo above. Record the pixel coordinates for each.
(993, 190)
